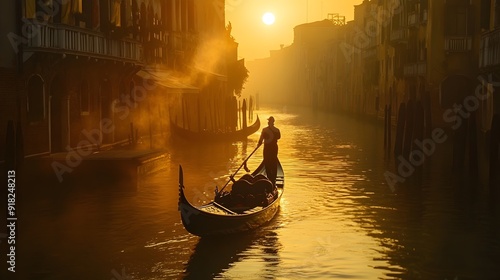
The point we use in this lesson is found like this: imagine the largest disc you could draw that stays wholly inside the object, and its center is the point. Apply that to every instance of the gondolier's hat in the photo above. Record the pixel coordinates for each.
(271, 119)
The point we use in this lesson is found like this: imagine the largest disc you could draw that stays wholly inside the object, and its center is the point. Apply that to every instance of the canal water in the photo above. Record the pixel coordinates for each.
(339, 217)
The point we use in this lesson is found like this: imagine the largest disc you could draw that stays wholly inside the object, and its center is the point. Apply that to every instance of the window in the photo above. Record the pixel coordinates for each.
(485, 14)
(114, 12)
(458, 21)
(35, 99)
(43, 10)
(84, 98)
(30, 8)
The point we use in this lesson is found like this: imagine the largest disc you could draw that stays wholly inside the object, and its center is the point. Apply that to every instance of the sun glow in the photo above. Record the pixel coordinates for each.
(268, 18)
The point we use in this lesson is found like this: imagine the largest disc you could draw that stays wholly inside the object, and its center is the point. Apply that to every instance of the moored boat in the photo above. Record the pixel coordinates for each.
(252, 202)
(203, 135)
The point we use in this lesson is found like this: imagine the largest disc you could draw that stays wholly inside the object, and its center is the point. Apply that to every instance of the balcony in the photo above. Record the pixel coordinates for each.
(77, 41)
(399, 35)
(458, 43)
(415, 69)
(489, 54)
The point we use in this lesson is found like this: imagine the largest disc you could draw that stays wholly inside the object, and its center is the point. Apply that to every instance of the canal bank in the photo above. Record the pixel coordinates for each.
(111, 166)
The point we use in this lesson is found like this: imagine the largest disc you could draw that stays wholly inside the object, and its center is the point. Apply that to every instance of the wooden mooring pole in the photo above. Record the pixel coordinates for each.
(400, 129)
(494, 166)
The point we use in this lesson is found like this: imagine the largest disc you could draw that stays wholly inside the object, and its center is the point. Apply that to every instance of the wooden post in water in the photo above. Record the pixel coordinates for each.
(239, 113)
(257, 101)
(234, 113)
(408, 132)
(400, 129)
(417, 155)
(250, 109)
(418, 129)
(385, 127)
(428, 115)
(494, 141)
(244, 113)
(473, 160)
(389, 128)
(459, 146)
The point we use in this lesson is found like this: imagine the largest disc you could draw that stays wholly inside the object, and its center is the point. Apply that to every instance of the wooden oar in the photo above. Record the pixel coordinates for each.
(231, 178)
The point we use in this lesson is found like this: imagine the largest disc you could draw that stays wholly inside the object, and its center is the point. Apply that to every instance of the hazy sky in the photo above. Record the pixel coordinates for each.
(256, 39)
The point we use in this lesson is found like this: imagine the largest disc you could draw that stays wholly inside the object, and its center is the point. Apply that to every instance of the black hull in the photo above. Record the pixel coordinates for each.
(241, 134)
(203, 223)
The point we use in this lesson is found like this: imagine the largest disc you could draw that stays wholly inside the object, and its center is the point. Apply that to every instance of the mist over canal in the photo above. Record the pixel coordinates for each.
(338, 218)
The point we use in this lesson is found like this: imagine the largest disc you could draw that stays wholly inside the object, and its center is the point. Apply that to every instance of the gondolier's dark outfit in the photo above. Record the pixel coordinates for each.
(270, 136)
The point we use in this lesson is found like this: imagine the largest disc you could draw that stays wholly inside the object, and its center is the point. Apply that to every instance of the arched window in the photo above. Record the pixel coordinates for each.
(35, 107)
(84, 98)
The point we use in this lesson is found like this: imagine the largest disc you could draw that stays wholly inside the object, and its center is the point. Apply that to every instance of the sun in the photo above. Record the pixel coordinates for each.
(268, 18)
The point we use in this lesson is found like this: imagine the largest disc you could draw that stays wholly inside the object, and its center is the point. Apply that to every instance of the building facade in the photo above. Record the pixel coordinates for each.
(102, 72)
(420, 63)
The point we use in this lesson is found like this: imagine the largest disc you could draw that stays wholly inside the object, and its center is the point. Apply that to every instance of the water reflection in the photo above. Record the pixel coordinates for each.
(338, 219)
(215, 255)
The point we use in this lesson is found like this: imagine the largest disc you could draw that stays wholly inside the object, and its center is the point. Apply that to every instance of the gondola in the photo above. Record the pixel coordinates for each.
(252, 202)
(241, 134)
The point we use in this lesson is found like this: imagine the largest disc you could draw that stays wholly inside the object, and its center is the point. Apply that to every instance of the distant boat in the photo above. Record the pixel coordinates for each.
(241, 134)
(252, 202)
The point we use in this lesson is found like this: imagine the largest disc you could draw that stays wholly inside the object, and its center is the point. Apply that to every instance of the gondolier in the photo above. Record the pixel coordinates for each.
(270, 136)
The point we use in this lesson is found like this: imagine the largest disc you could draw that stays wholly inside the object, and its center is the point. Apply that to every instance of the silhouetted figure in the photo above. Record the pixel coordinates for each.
(244, 113)
(270, 136)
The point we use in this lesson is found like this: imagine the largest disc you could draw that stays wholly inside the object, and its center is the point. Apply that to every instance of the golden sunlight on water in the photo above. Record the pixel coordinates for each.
(316, 229)
(338, 217)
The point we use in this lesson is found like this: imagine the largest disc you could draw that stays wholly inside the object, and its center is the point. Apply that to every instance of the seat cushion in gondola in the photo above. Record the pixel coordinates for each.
(256, 193)
(262, 186)
(241, 187)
